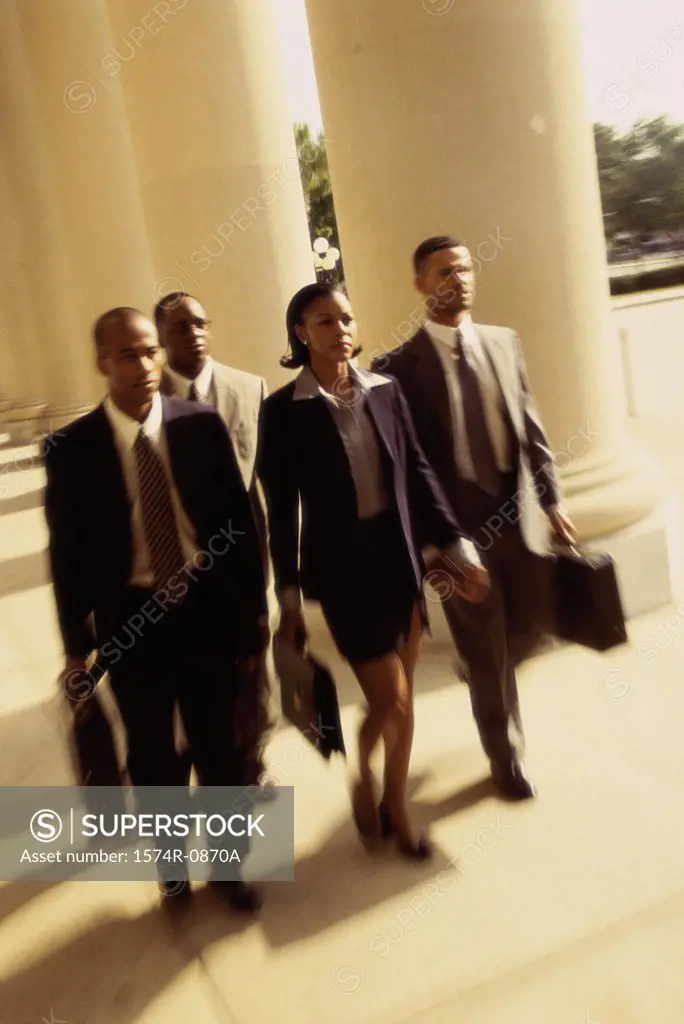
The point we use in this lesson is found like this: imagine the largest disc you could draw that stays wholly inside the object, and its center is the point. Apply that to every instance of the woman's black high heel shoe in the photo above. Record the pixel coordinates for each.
(419, 849)
(416, 849)
(386, 823)
(369, 829)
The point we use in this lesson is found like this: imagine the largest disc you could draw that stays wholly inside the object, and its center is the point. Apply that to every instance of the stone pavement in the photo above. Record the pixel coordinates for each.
(568, 910)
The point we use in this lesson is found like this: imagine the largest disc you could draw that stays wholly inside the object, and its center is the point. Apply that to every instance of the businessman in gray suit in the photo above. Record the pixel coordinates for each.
(191, 373)
(467, 389)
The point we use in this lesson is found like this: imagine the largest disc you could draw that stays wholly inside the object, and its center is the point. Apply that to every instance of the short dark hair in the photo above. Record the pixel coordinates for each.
(108, 319)
(430, 245)
(170, 301)
(298, 354)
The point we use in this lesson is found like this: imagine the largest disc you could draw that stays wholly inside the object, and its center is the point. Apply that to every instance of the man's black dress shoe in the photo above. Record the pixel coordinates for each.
(175, 894)
(239, 896)
(512, 781)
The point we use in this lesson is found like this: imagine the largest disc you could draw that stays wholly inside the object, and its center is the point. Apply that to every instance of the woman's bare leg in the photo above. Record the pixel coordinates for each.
(376, 679)
(387, 688)
(399, 741)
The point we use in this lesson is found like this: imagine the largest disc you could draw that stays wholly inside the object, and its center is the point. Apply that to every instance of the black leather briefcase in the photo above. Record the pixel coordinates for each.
(93, 750)
(309, 697)
(587, 607)
(95, 759)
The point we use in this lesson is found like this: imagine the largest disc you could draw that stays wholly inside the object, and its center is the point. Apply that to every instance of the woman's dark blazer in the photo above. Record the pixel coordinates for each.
(302, 458)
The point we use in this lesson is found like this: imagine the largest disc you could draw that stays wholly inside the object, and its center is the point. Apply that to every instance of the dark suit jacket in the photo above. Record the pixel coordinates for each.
(302, 457)
(418, 368)
(88, 515)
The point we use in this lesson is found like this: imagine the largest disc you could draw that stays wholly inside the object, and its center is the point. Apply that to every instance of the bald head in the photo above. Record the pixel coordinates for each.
(115, 320)
(129, 356)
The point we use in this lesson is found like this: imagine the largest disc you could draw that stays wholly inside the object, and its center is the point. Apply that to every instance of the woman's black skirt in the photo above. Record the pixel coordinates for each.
(370, 607)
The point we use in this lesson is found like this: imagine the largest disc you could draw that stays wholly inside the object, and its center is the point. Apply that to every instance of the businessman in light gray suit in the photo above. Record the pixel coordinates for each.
(191, 374)
(475, 416)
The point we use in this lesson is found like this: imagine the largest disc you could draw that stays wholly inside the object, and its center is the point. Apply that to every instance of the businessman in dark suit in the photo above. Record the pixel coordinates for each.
(467, 389)
(155, 562)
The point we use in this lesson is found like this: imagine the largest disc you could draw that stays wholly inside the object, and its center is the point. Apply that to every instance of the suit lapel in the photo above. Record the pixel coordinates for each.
(107, 479)
(181, 461)
(320, 438)
(108, 461)
(499, 360)
(431, 382)
(382, 417)
(227, 401)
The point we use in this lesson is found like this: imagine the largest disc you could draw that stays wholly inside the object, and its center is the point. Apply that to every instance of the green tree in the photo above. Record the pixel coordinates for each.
(318, 197)
(641, 176)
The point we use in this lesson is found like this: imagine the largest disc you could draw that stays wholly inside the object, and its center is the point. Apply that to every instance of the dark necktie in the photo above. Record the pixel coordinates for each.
(159, 521)
(477, 431)
(193, 393)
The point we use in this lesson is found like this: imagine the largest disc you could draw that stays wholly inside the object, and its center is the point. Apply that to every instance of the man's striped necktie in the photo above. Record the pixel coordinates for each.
(159, 520)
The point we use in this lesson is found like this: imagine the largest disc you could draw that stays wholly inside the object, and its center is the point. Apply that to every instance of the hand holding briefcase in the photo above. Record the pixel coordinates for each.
(309, 697)
(586, 597)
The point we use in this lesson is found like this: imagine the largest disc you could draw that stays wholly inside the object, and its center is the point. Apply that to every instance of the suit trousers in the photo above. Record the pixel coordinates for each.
(177, 664)
(495, 636)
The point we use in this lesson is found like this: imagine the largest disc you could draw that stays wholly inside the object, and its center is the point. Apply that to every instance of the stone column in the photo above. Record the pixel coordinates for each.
(468, 118)
(217, 164)
(77, 188)
(22, 383)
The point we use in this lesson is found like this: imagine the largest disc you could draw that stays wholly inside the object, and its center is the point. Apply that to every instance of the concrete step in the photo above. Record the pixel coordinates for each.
(21, 421)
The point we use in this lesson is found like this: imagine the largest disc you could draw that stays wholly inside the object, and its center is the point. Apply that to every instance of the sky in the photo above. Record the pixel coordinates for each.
(632, 51)
(299, 70)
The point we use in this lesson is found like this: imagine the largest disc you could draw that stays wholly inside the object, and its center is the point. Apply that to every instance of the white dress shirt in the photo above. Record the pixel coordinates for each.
(356, 432)
(125, 434)
(444, 340)
(204, 382)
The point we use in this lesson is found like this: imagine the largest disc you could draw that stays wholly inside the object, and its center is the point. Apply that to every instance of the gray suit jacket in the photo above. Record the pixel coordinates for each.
(417, 367)
(238, 401)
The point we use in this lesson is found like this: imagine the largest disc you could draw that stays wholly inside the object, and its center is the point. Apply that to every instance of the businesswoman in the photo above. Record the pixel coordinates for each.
(340, 440)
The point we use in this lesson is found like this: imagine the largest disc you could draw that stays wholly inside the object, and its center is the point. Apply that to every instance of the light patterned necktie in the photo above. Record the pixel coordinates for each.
(477, 431)
(159, 520)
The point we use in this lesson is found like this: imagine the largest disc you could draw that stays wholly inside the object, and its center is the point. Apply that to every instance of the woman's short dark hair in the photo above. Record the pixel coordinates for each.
(298, 353)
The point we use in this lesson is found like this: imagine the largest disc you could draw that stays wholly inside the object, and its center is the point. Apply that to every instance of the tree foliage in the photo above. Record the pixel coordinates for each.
(320, 209)
(641, 175)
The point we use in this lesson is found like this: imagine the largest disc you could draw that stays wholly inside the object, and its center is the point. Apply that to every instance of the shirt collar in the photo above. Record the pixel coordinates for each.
(203, 380)
(308, 386)
(447, 335)
(127, 429)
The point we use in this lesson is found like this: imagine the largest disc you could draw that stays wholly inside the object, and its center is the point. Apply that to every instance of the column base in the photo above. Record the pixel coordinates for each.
(54, 418)
(648, 558)
(612, 488)
(29, 422)
(5, 436)
(21, 421)
(621, 502)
